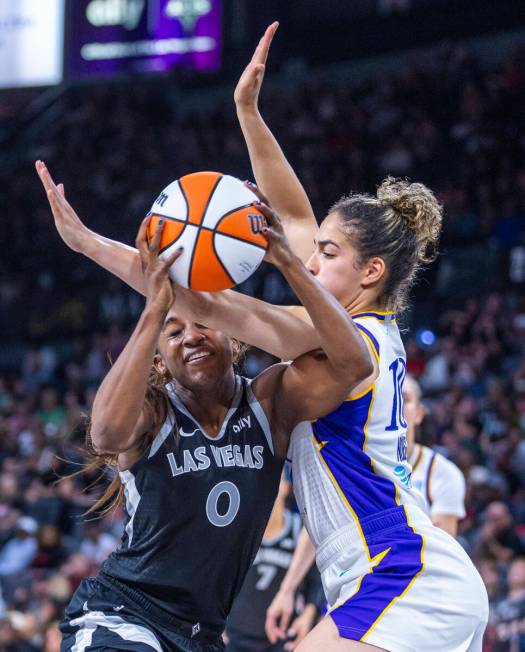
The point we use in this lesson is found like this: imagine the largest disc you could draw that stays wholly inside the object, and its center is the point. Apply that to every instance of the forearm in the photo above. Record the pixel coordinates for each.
(277, 180)
(118, 258)
(302, 560)
(120, 398)
(268, 327)
(341, 341)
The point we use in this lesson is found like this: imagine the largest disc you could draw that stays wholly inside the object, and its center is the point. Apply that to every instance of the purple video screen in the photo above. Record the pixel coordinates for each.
(111, 37)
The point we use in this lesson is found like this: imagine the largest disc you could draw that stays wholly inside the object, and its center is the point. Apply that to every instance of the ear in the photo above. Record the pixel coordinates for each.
(373, 271)
(420, 414)
(159, 364)
(238, 350)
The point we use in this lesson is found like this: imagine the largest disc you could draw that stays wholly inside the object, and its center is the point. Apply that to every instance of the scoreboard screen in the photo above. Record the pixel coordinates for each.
(31, 42)
(107, 37)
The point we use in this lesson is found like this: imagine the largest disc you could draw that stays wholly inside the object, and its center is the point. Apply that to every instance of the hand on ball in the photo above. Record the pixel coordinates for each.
(279, 251)
(160, 292)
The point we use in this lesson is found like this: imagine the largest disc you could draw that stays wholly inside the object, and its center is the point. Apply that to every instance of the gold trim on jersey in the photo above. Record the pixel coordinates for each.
(418, 458)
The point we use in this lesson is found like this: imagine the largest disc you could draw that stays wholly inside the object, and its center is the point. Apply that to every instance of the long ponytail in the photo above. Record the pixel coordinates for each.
(159, 406)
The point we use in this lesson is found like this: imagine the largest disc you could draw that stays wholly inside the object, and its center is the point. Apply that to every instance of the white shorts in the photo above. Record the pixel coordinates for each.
(416, 589)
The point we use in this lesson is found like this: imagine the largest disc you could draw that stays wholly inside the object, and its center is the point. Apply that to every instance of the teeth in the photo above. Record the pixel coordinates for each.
(197, 356)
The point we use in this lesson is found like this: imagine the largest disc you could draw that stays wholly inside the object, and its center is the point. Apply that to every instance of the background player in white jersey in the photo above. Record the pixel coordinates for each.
(391, 578)
(438, 479)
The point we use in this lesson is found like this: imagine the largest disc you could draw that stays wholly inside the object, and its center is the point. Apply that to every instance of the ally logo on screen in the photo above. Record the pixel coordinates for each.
(128, 13)
(102, 13)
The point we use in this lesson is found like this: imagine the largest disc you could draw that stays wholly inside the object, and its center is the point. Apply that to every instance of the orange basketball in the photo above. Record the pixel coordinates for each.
(213, 217)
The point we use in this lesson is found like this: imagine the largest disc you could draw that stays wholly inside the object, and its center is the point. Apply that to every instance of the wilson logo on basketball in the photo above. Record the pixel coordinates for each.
(213, 217)
(257, 223)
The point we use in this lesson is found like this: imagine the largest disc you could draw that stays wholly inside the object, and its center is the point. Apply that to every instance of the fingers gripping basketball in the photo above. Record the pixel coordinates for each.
(212, 216)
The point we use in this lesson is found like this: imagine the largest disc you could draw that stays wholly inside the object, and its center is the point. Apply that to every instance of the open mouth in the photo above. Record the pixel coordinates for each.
(198, 357)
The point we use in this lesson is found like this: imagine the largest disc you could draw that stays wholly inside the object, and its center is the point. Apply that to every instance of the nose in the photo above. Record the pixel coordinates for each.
(312, 264)
(192, 335)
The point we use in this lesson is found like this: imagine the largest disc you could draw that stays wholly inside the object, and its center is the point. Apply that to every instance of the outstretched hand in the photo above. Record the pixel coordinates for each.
(249, 85)
(160, 293)
(71, 229)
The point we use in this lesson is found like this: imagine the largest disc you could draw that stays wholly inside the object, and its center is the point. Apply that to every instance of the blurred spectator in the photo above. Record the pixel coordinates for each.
(20, 550)
(510, 613)
(97, 545)
(497, 537)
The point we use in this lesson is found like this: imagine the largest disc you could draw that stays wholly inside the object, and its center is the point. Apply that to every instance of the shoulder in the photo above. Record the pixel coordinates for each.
(447, 470)
(376, 328)
(264, 384)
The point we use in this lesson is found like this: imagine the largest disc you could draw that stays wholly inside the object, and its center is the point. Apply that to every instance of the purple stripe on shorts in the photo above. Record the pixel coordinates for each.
(372, 498)
(389, 579)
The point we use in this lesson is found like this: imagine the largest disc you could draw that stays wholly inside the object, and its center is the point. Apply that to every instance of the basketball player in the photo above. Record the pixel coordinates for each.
(393, 581)
(199, 454)
(438, 479)
(245, 625)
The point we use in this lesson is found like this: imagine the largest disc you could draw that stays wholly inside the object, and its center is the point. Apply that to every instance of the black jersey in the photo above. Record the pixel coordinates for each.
(197, 508)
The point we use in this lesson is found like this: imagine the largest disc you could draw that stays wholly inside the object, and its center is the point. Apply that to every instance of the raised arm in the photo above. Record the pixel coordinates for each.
(119, 417)
(270, 328)
(274, 175)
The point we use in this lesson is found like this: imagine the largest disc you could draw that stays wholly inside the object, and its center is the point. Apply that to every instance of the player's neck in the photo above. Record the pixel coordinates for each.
(209, 408)
(363, 303)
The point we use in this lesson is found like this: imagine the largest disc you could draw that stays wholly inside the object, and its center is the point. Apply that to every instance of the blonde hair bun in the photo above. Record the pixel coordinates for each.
(417, 206)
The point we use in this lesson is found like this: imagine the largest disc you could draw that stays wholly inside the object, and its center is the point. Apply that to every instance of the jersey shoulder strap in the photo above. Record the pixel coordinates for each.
(258, 412)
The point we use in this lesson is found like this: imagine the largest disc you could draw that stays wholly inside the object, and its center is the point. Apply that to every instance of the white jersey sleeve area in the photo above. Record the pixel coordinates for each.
(447, 488)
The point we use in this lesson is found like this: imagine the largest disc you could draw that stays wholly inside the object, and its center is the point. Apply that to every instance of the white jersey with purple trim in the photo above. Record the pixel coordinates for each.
(372, 438)
(390, 577)
(439, 480)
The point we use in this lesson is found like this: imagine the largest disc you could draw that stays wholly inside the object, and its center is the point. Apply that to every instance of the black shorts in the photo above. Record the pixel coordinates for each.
(100, 618)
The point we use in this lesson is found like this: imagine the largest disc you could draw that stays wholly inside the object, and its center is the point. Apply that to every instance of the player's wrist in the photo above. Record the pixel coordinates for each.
(86, 242)
(156, 311)
(287, 588)
(247, 110)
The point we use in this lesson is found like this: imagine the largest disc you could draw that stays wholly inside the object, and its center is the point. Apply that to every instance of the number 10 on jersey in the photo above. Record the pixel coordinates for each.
(399, 371)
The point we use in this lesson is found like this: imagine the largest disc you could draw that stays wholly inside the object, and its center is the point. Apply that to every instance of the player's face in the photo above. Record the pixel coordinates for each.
(335, 262)
(413, 409)
(196, 356)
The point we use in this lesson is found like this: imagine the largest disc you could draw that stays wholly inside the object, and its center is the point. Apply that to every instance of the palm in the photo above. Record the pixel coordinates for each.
(68, 225)
(249, 85)
(67, 222)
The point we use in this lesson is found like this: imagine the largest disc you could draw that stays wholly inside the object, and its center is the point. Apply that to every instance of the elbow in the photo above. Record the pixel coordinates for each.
(361, 369)
(103, 439)
(366, 368)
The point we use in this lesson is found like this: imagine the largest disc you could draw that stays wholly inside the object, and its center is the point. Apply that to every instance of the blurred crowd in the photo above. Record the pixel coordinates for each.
(448, 123)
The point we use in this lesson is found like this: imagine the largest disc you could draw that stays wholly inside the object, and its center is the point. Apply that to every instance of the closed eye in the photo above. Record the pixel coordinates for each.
(327, 255)
(176, 333)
